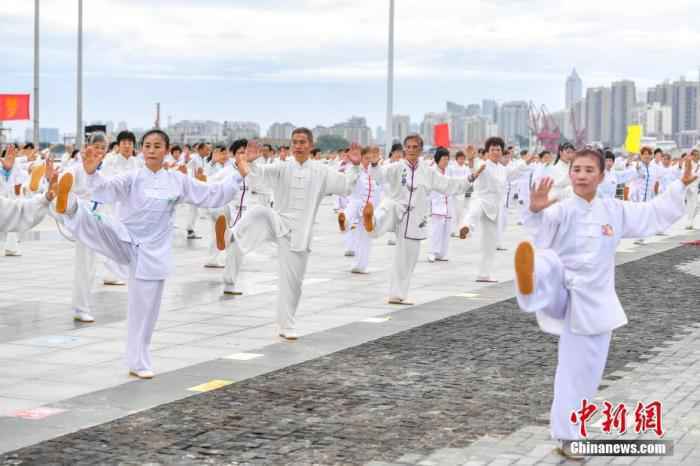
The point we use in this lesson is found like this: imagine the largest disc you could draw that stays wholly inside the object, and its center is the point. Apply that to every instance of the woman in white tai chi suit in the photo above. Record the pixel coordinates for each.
(569, 280)
(142, 235)
(19, 215)
(299, 187)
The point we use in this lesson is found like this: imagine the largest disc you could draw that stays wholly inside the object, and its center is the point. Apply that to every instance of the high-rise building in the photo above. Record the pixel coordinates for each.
(489, 109)
(355, 130)
(682, 97)
(193, 131)
(657, 121)
(624, 99)
(233, 130)
(598, 115)
(401, 127)
(280, 131)
(513, 121)
(478, 129)
(46, 135)
(574, 89)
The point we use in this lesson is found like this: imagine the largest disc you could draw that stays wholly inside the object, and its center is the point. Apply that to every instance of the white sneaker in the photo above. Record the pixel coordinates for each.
(192, 235)
(82, 316)
(289, 334)
(349, 253)
(143, 374)
(12, 253)
(359, 270)
(431, 257)
(391, 242)
(214, 265)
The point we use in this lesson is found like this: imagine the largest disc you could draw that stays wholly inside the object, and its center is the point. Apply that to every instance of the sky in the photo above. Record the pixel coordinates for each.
(322, 61)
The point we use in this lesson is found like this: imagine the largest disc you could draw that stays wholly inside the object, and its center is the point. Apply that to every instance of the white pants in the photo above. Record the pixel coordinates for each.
(192, 213)
(350, 239)
(10, 241)
(83, 276)
(440, 236)
(144, 296)
(479, 222)
(460, 208)
(691, 198)
(363, 246)
(215, 257)
(257, 227)
(264, 199)
(581, 358)
(502, 223)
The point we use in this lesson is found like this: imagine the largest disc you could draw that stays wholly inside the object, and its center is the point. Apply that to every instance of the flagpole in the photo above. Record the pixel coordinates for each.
(36, 74)
(79, 103)
(389, 138)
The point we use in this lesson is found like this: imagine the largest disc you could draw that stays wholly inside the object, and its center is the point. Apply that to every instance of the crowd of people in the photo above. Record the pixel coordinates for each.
(118, 200)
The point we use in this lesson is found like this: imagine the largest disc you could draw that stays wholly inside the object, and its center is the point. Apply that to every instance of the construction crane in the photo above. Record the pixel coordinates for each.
(548, 132)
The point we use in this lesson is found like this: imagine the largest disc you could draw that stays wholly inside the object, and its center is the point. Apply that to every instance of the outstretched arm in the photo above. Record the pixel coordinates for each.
(642, 219)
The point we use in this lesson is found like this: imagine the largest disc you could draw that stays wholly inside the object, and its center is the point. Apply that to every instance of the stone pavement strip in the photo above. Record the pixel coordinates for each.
(474, 388)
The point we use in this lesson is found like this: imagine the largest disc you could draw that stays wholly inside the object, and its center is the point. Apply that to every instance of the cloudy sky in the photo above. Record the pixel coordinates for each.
(321, 61)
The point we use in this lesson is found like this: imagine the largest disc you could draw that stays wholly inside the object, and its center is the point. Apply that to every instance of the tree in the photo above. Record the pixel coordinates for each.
(331, 143)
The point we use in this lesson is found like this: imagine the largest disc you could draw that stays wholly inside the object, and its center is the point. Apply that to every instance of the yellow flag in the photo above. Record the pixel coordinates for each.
(633, 143)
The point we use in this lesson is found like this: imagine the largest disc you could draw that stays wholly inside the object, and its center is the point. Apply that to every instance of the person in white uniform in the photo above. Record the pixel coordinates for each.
(195, 169)
(442, 211)
(12, 177)
(487, 201)
(299, 187)
(364, 197)
(568, 281)
(84, 261)
(220, 164)
(459, 169)
(404, 209)
(229, 216)
(123, 161)
(142, 237)
(615, 174)
(262, 193)
(692, 194)
(22, 214)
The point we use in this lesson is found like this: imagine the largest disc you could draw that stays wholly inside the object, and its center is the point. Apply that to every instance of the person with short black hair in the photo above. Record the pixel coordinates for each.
(691, 197)
(486, 203)
(567, 277)
(142, 238)
(299, 185)
(442, 211)
(459, 169)
(195, 170)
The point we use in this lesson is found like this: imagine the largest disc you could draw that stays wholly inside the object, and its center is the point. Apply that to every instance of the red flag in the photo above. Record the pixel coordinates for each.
(14, 107)
(441, 135)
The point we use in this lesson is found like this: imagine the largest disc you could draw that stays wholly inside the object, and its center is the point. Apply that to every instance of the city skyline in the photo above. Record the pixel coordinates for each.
(225, 69)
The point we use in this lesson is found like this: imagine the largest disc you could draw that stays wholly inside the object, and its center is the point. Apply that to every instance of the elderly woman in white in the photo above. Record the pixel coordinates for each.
(569, 281)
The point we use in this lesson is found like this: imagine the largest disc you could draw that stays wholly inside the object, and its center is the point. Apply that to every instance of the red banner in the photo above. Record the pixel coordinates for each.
(14, 107)
(441, 135)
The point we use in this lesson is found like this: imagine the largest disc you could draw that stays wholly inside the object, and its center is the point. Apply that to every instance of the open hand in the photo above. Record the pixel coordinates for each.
(539, 197)
(9, 159)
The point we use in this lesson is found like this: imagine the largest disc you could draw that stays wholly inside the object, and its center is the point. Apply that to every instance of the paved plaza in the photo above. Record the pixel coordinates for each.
(462, 377)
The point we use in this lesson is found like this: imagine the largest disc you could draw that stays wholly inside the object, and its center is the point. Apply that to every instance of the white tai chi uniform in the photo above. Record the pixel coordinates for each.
(405, 211)
(691, 197)
(216, 172)
(562, 182)
(142, 238)
(298, 191)
(196, 162)
(262, 193)
(614, 177)
(233, 212)
(9, 179)
(486, 207)
(116, 164)
(512, 188)
(442, 213)
(22, 214)
(366, 190)
(523, 185)
(574, 294)
(460, 201)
